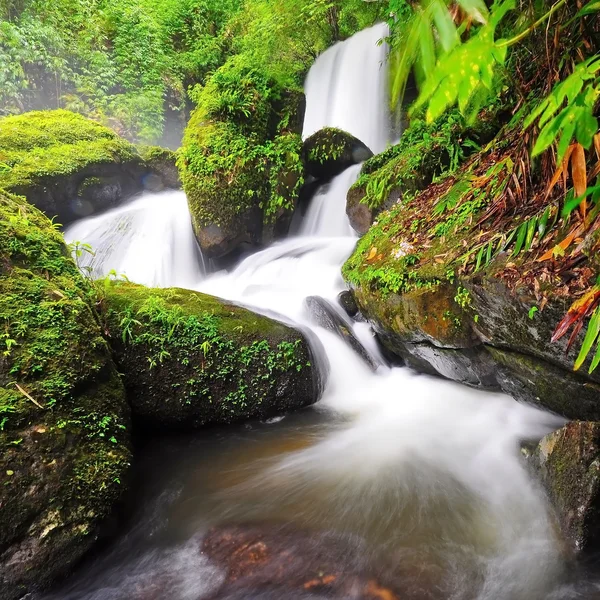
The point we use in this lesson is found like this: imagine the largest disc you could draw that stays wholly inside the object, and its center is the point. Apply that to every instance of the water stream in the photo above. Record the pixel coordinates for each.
(425, 476)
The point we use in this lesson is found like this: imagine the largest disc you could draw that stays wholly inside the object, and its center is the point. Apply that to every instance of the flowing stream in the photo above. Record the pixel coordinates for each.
(425, 476)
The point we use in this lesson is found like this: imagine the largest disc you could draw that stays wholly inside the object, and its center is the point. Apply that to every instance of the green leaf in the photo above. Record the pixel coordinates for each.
(479, 258)
(530, 232)
(522, 231)
(589, 8)
(542, 223)
(488, 255)
(591, 336)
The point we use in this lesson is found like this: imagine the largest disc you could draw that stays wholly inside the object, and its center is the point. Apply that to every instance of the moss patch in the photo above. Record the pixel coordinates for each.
(64, 439)
(189, 359)
(41, 144)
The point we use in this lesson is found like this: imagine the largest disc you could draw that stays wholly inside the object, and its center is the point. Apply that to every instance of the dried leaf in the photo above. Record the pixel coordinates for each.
(372, 253)
(579, 175)
(28, 396)
(562, 246)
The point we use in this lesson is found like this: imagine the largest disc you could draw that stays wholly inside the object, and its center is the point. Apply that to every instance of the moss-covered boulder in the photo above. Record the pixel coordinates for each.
(459, 285)
(162, 163)
(568, 462)
(70, 166)
(189, 359)
(330, 151)
(64, 421)
(240, 160)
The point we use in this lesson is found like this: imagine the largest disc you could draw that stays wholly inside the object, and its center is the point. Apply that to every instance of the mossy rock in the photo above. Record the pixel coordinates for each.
(163, 164)
(189, 359)
(240, 161)
(330, 151)
(568, 462)
(64, 420)
(425, 151)
(70, 166)
(437, 274)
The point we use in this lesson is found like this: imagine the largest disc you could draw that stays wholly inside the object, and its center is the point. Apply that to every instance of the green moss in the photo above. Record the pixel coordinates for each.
(425, 151)
(63, 416)
(214, 360)
(328, 144)
(41, 144)
(237, 148)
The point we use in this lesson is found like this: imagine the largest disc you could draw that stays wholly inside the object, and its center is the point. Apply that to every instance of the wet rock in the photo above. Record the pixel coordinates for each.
(280, 562)
(189, 359)
(64, 434)
(347, 302)
(569, 466)
(326, 315)
(490, 343)
(330, 151)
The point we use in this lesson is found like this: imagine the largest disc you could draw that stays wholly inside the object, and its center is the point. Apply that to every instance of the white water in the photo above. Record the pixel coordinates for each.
(347, 88)
(429, 472)
(149, 240)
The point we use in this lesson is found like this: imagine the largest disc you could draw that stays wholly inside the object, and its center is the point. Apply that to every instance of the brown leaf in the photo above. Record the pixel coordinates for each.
(561, 170)
(579, 174)
(372, 253)
(563, 245)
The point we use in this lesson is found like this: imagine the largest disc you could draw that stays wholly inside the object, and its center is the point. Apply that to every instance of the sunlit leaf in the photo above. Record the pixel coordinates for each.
(591, 336)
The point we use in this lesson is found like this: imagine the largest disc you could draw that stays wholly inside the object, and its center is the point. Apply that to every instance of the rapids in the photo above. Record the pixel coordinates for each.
(425, 475)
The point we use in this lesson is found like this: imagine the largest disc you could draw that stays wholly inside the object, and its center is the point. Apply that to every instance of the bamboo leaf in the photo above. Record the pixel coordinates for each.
(595, 360)
(530, 232)
(542, 224)
(591, 336)
(522, 231)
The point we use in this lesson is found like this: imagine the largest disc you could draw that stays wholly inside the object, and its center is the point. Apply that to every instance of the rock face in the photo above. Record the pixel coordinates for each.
(189, 359)
(71, 167)
(454, 290)
(325, 314)
(64, 433)
(240, 165)
(274, 562)
(330, 151)
(569, 465)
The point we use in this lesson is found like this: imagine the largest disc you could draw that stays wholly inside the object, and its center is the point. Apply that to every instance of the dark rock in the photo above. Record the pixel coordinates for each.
(189, 359)
(65, 435)
(326, 315)
(347, 302)
(503, 349)
(569, 465)
(330, 151)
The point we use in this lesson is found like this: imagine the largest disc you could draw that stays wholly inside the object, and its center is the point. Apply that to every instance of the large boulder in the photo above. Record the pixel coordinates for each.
(568, 461)
(70, 167)
(240, 162)
(64, 420)
(189, 359)
(456, 290)
(330, 151)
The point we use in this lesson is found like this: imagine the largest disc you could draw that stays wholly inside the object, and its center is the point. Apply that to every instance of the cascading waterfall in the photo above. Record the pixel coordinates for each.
(427, 472)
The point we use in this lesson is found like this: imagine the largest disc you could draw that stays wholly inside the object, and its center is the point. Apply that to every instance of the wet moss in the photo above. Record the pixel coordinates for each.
(39, 145)
(189, 359)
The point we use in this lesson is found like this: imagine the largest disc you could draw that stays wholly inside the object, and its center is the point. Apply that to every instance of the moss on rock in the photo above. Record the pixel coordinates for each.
(330, 151)
(70, 166)
(64, 438)
(189, 359)
(569, 465)
(239, 146)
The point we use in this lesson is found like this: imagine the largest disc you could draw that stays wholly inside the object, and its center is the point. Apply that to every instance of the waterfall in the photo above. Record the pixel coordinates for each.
(148, 240)
(427, 471)
(347, 88)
